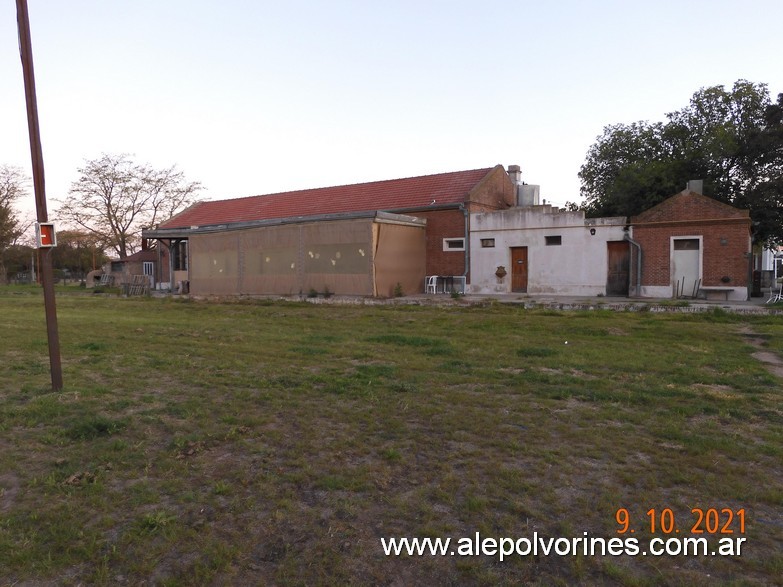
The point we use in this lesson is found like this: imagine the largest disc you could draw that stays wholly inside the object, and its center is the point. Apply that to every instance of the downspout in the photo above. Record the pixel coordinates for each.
(638, 290)
(750, 264)
(467, 245)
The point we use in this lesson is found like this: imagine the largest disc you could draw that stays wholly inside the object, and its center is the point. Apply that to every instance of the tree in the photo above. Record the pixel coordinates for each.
(115, 198)
(18, 258)
(78, 252)
(765, 194)
(732, 139)
(628, 170)
(13, 185)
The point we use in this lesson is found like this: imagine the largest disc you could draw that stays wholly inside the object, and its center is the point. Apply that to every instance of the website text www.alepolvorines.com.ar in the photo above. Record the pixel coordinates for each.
(537, 545)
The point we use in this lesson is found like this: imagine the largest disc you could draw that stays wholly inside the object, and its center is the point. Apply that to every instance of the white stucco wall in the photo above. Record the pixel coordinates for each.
(657, 291)
(576, 267)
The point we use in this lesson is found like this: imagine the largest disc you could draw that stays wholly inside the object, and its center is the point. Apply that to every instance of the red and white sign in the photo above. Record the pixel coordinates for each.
(45, 235)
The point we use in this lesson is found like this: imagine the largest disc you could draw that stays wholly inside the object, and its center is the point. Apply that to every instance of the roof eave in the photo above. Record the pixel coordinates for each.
(388, 216)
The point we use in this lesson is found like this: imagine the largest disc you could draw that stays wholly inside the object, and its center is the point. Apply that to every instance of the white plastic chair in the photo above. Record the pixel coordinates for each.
(775, 296)
(431, 284)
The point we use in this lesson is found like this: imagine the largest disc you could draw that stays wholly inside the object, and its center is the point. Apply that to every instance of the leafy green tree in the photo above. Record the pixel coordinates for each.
(732, 139)
(79, 252)
(764, 195)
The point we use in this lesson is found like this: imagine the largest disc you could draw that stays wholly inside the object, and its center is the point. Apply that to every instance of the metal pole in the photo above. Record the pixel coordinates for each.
(45, 268)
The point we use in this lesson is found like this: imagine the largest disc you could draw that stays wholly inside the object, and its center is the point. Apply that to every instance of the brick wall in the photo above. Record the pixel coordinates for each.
(495, 192)
(725, 236)
(726, 260)
(718, 259)
(444, 224)
(689, 205)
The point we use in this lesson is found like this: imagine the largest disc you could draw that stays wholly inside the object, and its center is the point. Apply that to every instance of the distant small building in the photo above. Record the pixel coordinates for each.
(143, 262)
(693, 245)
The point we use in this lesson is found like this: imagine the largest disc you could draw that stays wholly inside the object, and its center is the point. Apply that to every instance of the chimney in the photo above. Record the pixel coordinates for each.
(515, 173)
(695, 185)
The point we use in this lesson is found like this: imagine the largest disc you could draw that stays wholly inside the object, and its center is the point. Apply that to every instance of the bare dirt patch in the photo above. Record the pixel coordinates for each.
(573, 372)
(771, 360)
(9, 489)
(616, 331)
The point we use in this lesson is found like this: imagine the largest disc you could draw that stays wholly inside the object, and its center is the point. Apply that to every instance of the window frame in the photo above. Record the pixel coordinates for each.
(553, 240)
(448, 249)
(179, 253)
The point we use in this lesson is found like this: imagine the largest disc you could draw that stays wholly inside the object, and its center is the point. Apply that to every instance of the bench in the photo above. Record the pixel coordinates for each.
(711, 292)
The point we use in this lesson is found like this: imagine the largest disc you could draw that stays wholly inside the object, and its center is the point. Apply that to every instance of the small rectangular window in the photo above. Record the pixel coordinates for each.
(453, 244)
(487, 243)
(553, 240)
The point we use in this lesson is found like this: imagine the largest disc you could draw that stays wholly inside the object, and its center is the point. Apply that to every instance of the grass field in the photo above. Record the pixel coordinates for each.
(260, 443)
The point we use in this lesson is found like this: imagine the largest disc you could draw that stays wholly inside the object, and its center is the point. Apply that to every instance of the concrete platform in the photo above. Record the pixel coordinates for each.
(752, 306)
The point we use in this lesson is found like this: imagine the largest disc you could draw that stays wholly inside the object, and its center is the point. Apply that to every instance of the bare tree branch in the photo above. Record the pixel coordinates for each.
(13, 185)
(114, 198)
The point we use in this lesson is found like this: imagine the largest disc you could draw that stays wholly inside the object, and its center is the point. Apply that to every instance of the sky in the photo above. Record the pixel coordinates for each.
(254, 97)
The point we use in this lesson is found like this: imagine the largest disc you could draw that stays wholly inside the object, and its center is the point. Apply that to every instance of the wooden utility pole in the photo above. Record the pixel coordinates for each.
(45, 267)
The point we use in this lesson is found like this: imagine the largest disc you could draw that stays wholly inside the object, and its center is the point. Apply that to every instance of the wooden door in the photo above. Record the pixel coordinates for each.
(519, 269)
(617, 277)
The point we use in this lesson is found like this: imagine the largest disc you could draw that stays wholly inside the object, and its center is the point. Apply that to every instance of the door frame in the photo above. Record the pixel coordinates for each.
(514, 266)
(672, 278)
(627, 288)
(148, 268)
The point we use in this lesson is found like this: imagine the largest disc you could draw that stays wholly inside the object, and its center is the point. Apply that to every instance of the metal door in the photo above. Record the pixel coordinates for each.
(686, 266)
(619, 256)
(519, 269)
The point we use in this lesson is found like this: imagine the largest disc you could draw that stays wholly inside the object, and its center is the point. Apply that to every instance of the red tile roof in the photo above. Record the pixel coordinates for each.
(394, 194)
(144, 255)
